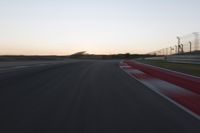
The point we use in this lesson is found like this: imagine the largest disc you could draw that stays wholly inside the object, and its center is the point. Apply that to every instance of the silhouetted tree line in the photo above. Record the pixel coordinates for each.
(82, 55)
(78, 55)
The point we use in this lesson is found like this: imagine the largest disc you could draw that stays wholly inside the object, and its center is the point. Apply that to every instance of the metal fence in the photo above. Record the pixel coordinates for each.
(185, 44)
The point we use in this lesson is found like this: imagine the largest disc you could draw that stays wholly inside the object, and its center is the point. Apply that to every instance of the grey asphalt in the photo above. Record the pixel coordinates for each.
(85, 97)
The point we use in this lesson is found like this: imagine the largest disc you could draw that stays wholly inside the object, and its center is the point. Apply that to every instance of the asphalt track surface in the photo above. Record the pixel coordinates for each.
(85, 97)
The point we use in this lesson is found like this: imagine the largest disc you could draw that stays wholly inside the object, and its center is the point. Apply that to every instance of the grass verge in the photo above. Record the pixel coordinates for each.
(192, 69)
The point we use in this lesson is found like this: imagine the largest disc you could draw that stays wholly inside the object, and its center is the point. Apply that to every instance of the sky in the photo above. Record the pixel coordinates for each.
(63, 27)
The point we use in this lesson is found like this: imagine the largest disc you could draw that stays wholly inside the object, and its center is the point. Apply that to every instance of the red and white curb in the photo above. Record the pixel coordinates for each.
(183, 98)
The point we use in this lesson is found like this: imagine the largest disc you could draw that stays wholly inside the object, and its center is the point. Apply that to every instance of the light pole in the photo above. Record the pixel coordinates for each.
(179, 41)
(190, 46)
(196, 40)
(176, 49)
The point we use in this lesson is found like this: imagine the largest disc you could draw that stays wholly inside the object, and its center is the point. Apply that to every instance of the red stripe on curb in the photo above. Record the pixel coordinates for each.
(191, 102)
(186, 99)
(185, 81)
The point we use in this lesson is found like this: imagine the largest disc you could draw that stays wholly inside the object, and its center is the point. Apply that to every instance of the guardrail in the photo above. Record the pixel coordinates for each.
(192, 59)
(156, 58)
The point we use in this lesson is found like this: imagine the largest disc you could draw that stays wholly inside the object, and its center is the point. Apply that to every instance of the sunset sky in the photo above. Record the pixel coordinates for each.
(62, 27)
